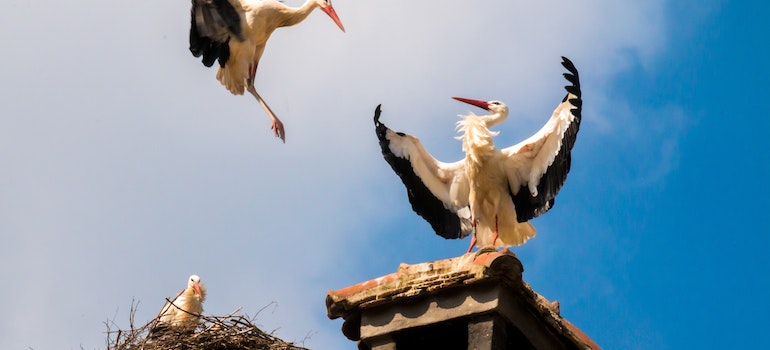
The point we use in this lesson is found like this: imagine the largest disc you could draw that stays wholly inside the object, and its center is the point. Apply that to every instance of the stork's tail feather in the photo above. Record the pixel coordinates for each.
(516, 235)
(231, 80)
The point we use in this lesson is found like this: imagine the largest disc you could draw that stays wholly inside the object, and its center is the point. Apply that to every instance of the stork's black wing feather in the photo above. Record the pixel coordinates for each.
(528, 206)
(445, 221)
(212, 24)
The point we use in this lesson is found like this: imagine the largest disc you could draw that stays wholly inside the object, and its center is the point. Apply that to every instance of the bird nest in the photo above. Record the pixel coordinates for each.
(231, 332)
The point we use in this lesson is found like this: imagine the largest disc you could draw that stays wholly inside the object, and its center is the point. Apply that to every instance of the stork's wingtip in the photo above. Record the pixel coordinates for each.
(567, 63)
(377, 112)
(574, 79)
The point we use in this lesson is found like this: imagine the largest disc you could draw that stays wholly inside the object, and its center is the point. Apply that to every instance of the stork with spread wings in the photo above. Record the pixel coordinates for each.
(492, 192)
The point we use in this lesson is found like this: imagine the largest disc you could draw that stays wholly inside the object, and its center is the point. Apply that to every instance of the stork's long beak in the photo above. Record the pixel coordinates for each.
(478, 103)
(197, 289)
(333, 14)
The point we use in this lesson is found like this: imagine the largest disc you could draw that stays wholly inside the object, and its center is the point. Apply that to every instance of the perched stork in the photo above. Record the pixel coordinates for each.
(492, 192)
(184, 311)
(234, 32)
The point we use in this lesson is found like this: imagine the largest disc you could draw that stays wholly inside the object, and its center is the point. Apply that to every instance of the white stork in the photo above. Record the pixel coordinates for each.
(495, 191)
(234, 32)
(184, 311)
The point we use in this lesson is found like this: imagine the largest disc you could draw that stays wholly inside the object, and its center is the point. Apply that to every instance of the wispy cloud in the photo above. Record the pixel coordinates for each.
(126, 166)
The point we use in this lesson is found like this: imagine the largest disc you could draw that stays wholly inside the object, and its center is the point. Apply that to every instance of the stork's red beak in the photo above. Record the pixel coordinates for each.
(333, 14)
(197, 289)
(478, 103)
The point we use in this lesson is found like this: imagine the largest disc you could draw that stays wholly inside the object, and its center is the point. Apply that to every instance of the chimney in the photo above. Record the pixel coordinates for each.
(474, 301)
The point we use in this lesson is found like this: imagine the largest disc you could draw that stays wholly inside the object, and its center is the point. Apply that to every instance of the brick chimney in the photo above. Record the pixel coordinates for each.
(475, 301)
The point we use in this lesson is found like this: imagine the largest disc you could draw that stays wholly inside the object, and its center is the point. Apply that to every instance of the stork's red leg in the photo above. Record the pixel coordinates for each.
(473, 236)
(494, 238)
(252, 73)
(276, 124)
(473, 242)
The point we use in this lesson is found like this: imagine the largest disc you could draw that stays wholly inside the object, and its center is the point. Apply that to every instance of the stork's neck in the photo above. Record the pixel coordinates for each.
(495, 118)
(294, 15)
(477, 138)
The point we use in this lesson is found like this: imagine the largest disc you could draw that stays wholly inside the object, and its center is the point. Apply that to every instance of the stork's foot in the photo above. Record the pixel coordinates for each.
(278, 130)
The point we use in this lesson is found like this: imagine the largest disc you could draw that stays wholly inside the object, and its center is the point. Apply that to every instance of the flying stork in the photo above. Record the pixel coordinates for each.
(184, 311)
(492, 192)
(234, 32)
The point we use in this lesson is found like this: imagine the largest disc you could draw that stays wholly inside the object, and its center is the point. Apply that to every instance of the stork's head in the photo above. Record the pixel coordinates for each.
(326, 6)
(497, 109)
(198, 288)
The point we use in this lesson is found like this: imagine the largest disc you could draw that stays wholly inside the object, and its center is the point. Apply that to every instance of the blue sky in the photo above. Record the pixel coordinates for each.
(125, 166)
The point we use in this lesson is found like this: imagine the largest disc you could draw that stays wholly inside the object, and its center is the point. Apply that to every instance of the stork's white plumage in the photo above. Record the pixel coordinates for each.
(494, 190)
(234, 32)
(184, 311)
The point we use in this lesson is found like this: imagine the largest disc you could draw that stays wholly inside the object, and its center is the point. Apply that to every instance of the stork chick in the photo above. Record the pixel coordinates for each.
(184, 311)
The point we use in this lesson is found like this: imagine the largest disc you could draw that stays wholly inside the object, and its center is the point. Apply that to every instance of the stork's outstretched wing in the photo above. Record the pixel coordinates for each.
(537, 167)
(437, 191)
(212, 24)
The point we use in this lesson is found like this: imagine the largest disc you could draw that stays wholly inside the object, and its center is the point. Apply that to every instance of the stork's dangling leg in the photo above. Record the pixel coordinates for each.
(276, 124)
(473, 235)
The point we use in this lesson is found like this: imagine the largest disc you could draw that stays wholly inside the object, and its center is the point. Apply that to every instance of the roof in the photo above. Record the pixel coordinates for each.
(425, 279)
